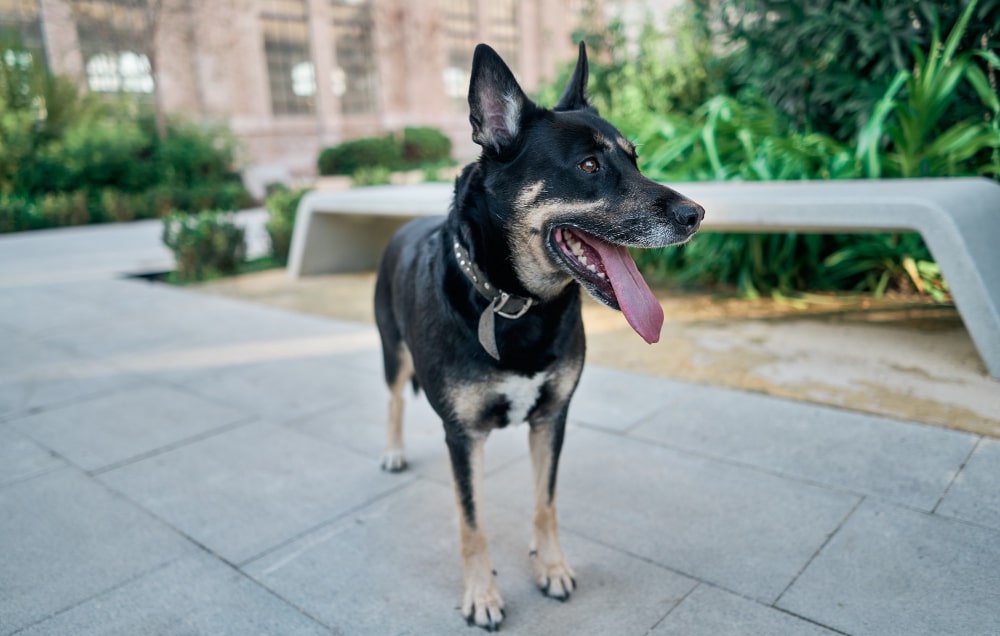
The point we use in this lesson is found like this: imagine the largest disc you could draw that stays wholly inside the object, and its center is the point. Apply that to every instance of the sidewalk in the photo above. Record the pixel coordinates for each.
(180, 463)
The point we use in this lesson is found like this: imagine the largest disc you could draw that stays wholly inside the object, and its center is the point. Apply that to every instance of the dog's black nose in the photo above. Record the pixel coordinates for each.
(688, 214)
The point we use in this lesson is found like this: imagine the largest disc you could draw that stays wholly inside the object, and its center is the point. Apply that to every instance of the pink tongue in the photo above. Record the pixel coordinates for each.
(640, 307)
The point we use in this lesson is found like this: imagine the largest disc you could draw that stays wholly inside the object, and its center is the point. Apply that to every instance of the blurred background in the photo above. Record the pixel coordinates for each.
(114, 110)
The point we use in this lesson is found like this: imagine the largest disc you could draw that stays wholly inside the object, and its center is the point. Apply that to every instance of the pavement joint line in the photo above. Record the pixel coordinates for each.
(844, 490)
(96, 394)
(815, 554)
(268, 590)
(674, 607)
(120, 584)
(958, 472)
(327, 522)
(181, 443)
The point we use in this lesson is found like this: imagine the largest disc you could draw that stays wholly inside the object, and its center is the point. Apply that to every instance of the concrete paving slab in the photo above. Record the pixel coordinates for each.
(35, 375)
(65, 539)
(891, 571)
(21, 458)
(193, 595)
(249, 489)
(741, 529)
(120, 426)
(598, 402)
(714, 612)
(276, 388)
(902, 462)
(359, 423)
(975, 495)
(394, 567)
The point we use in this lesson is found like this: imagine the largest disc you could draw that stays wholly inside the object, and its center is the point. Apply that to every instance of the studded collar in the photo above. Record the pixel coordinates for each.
(501, 303)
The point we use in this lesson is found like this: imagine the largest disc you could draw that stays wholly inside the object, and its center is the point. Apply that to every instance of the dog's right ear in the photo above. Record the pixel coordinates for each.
(496, 102)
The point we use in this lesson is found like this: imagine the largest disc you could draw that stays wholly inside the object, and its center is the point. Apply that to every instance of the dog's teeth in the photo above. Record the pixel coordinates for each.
(583, 259)
(600, 275)
(592, 268)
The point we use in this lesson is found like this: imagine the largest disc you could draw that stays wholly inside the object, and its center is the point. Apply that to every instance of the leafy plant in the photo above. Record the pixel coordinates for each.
(204, 244)
(422, 145)
(826, 63)
(282, 206)
(913, 132)
(368, 152)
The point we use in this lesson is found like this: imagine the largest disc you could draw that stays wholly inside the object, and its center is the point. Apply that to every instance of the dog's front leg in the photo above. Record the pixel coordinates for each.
(481, 603)
(552, 574)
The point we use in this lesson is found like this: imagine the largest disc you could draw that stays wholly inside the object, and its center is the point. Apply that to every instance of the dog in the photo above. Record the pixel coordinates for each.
(481, 308)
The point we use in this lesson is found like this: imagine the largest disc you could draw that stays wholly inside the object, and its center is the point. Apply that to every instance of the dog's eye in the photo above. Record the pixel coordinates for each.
(589, 165)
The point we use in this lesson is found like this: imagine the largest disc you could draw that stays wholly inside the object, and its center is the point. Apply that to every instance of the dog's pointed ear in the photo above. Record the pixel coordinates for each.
(497, 105)
(575, 97)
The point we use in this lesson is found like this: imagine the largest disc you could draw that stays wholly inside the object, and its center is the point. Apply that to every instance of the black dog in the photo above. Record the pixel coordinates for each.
(482, 308)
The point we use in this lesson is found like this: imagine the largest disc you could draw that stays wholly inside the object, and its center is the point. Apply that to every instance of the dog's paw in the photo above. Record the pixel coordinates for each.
(394, 460)
(556, 580)
(483, 607)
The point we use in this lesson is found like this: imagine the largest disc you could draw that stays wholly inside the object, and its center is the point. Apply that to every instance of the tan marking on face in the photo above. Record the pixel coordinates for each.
(626, 145)
(535, 269)
(529, 195)
(603, 141)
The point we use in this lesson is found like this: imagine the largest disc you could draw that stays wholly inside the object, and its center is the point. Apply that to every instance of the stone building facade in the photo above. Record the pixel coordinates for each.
(292, 76)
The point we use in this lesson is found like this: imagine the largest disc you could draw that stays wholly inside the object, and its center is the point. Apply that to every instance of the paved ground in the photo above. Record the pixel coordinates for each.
(179, 463)
(893, 356)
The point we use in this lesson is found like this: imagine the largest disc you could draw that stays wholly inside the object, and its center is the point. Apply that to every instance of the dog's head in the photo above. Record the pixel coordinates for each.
(565, 185)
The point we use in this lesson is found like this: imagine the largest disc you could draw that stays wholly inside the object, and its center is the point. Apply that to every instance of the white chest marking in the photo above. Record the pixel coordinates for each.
(521, 393)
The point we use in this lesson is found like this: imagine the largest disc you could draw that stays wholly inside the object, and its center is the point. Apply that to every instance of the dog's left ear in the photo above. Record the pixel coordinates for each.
(575, 97)
(497, 105)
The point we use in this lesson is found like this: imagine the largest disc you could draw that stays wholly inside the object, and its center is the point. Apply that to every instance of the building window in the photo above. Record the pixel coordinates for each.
(504, 31)
(459, 20)
(355, 77)
(114, 40)
(290, 71)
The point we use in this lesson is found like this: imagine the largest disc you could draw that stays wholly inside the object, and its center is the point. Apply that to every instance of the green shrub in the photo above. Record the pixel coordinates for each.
(17, 214)
(205, 244)
(282, 206)
(116, 206)
(63, 208)
(369, 152)
(424, 145)
(370, 176)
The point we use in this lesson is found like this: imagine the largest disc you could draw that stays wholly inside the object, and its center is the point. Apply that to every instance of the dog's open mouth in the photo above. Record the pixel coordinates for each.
(608, 272)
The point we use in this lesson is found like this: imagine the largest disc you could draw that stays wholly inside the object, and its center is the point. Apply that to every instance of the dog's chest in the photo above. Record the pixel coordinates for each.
(521, 394)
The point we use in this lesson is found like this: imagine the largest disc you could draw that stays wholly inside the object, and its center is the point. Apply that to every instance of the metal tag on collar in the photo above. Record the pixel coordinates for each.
(487, 331)
(503, 298)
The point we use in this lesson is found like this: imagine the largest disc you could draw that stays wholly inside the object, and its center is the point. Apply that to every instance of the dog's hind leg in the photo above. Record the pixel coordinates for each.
(482, 604)
(552, 574)
(394, 456)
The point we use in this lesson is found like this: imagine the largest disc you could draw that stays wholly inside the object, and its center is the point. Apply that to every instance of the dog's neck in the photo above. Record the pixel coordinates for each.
(500, 302)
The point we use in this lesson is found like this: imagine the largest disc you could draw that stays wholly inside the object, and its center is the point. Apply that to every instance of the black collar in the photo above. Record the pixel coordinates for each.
(502, 303)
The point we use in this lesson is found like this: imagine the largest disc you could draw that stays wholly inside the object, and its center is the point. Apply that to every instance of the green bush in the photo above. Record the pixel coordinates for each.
(424, 145)
(282, 206)
(934, 114)
(70, 158)
(369, 152)
(205, 244)
(17, 214)
(64, 208)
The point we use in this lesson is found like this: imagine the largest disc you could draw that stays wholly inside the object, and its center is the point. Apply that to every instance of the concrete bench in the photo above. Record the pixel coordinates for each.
(959, 218)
